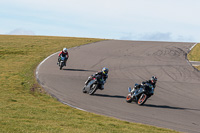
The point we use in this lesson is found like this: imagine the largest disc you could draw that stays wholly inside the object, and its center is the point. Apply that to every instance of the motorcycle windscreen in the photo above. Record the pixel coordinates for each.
(62, 58)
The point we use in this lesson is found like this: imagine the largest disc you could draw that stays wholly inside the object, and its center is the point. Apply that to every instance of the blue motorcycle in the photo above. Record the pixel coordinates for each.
(61, 62)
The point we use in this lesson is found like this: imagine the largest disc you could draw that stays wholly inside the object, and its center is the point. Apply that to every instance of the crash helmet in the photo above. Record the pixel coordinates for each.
(153, 79)
(65, 50)
(105, 70)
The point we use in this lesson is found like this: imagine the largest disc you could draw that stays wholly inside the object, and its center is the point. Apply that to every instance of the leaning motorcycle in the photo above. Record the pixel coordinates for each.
(141, 94)
(93, 85)
(61, 62)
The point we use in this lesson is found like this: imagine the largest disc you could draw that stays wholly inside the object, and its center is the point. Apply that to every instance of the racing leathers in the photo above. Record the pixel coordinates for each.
(63, 54)
(101, 77)
(146, 85)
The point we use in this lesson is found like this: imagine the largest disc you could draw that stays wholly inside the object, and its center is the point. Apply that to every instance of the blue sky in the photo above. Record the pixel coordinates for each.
(147, 20)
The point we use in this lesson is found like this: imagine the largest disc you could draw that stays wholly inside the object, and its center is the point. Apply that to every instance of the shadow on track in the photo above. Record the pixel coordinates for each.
(169, 107)
(83, 70)
(112, 96)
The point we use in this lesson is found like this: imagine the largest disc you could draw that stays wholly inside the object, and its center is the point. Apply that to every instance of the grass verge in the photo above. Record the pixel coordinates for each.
(194, 55)
(24, 106)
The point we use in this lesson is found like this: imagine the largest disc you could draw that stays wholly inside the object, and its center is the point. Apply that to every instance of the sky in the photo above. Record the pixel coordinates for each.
(141, 20)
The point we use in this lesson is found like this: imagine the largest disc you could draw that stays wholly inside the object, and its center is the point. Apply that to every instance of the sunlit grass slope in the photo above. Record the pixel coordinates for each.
(24, 107)
(194, 54)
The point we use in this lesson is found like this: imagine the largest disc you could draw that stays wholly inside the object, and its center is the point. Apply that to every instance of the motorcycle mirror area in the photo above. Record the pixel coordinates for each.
(129, 89)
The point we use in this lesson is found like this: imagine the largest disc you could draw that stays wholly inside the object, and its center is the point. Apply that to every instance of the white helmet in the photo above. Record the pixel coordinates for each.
(65, 50)
(153, 79)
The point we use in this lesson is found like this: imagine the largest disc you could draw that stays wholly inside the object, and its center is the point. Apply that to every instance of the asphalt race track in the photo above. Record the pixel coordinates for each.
(175, 104)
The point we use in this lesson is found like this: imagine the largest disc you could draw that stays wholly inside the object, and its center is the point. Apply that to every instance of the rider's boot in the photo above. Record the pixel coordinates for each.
(58, 61)
(102, 87)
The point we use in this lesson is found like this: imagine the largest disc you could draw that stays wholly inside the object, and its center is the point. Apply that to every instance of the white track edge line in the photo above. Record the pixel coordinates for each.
(37, 69)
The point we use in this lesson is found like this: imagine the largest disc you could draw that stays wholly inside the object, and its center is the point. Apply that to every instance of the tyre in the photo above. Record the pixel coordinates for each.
(129, 98)
(84, 91)
(142, 99)
(93, 89)
(61, 65)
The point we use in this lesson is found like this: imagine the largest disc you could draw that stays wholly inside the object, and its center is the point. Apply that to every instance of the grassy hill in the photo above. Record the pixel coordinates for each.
(194, 54)
(25, 107)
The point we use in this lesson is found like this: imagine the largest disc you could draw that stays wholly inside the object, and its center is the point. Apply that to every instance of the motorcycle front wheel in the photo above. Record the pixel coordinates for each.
(129, 98)
(84, 91)
(93, 89)
(142, 99)
(61, 65)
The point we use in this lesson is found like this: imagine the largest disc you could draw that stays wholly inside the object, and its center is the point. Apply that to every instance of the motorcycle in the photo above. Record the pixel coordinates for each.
(61, 62)
(93, 85)
(141, 94)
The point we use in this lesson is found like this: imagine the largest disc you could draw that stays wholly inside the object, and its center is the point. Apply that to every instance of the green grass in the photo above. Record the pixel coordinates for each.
(194, 54)
(25, 107)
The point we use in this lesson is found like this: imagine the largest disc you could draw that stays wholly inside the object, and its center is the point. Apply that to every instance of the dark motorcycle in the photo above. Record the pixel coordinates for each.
(141, 94)
(61, 62)
(93, 85)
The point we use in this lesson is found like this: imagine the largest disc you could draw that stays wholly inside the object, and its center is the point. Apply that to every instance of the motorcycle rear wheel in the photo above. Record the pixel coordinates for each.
(142, 99)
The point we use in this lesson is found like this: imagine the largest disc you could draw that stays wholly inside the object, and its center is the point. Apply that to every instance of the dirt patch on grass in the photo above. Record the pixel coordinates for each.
(36, 88)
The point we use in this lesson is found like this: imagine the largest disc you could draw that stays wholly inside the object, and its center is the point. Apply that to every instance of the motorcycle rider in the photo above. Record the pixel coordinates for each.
(102, 75)
(63, 53)
(152, 81)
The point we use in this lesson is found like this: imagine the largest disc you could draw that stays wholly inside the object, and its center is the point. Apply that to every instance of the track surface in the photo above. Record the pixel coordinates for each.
(175, 104)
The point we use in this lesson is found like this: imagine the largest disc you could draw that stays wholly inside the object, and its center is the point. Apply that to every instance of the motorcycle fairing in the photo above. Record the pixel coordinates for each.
(87, 87)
